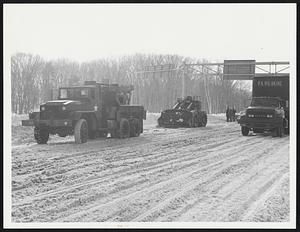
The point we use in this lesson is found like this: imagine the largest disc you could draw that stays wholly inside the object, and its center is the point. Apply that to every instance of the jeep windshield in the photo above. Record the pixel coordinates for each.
(268, 102)
(73, 93)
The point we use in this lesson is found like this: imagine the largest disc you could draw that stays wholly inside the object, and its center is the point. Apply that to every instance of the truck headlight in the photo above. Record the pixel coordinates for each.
(63, 108)
(42, 108)
(250, 115)
(269, 116)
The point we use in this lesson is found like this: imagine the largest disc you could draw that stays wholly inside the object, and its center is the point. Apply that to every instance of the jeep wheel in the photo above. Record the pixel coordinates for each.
(81, 131)
(124, 131)
(41, 135)
(245, 130)
(135, 128)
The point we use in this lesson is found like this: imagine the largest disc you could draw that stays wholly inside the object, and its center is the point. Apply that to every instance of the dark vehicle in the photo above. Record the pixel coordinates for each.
(186, 113)
(269, 108)
(88, 111)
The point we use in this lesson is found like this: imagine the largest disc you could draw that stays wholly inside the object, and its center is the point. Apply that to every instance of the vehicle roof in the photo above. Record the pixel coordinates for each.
(78, 86)
(267, 97)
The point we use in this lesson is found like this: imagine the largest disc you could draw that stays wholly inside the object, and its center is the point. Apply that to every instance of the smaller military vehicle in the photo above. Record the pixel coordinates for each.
(186, 113)
(88, 111)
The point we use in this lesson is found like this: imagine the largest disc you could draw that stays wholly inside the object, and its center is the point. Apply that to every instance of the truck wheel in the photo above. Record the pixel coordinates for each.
(124, 129)
(191, 122)
(204, 120)
(245, 130)
(135, 128)
(41, 135)
(81, 131)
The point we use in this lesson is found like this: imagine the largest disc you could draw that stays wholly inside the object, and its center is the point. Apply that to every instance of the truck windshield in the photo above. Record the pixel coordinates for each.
(73, 93)
(272, 102)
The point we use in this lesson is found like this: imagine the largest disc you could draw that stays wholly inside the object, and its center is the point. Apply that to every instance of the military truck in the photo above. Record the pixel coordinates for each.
(88, 111)
(269, 108)
(186, 113)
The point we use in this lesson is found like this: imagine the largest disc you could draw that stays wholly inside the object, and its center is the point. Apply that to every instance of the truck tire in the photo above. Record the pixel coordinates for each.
(204, 120)
(245, 130)
(41, 135)
(81, 131)
(192, 122)
(135, 128)
(124, 131)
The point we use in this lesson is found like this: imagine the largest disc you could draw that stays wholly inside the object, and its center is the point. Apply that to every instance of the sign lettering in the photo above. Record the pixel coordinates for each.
(269, 83)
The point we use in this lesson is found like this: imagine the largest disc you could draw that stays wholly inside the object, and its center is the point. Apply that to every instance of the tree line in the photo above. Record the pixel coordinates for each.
(33, 79)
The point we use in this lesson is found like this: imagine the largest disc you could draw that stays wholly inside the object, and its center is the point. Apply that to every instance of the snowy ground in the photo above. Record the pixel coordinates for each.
(185, 174)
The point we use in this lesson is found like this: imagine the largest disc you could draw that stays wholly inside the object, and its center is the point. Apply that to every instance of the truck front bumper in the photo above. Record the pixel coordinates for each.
(50, 123)
(265, 124)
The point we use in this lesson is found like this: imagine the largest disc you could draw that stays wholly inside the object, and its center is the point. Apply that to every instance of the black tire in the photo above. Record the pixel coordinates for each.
(41, 135)
(81, 131)
(135, 128)
(138, 127)
(191, 122)
(124, 131)
(204, 120)
(245, 130)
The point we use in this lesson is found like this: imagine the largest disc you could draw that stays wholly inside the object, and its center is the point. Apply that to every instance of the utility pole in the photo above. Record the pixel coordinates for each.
(183, 82)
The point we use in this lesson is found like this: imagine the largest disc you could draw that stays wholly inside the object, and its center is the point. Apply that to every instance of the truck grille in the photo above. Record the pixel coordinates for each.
(53, 112)
(259, 114)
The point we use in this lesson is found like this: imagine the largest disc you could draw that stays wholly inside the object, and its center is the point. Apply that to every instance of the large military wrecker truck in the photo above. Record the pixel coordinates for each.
(269, 108)
(88, 111)
(186, 112)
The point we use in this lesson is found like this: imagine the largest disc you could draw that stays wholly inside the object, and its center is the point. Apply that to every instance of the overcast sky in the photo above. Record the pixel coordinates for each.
(83, 32)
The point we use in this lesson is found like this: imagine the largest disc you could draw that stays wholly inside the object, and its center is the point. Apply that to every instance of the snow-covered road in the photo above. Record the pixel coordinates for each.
(185, 174)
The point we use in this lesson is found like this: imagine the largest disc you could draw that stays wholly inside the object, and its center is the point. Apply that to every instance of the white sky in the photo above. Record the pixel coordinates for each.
(214, 31)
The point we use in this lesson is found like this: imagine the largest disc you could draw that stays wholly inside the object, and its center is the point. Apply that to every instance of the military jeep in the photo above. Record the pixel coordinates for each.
(88, 111)
(185, 113)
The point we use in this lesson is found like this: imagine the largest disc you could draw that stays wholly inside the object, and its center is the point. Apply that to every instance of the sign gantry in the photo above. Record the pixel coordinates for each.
(228, 70)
